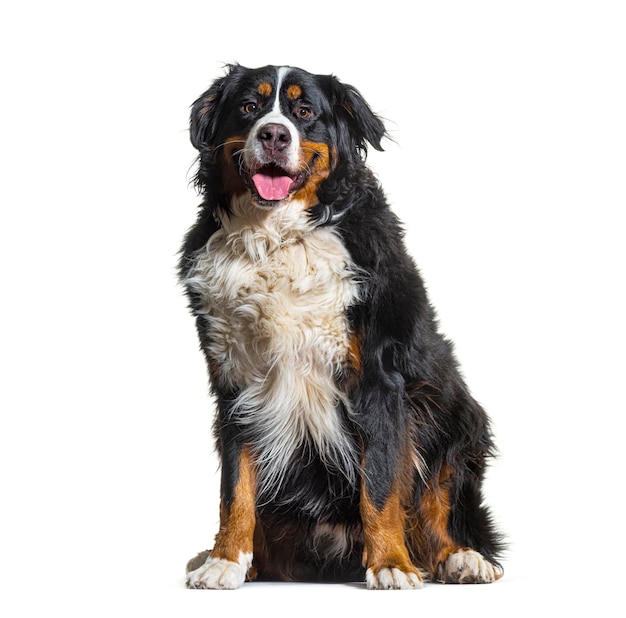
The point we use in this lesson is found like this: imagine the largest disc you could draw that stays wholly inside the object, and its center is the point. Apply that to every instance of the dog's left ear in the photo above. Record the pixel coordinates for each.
(357, 124)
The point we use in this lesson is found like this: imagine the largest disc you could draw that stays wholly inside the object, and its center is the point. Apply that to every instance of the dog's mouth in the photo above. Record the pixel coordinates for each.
(272, 183)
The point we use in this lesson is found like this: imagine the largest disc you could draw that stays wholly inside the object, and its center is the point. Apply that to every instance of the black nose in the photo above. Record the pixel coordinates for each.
(274, 137)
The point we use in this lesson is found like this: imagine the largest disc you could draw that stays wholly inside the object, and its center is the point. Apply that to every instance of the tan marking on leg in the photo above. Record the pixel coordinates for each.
(428, 536)
(236, 531)
(386, 556)
(228, 564)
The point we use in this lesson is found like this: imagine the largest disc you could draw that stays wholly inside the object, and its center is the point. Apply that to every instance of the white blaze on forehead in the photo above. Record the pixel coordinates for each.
(281, 72)
(275, 114)
(253, 152)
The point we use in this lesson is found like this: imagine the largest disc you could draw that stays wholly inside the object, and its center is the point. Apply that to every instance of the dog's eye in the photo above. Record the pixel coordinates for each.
(304, 112)
(250, 107)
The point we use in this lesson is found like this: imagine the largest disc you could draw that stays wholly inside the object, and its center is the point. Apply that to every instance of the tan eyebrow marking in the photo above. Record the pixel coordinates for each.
(264, 89)
(294, 92)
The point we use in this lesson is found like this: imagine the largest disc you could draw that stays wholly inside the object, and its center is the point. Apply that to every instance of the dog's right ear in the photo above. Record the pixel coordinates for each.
(205, 112)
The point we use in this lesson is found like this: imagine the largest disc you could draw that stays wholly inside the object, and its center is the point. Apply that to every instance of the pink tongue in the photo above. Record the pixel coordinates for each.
(272, 187)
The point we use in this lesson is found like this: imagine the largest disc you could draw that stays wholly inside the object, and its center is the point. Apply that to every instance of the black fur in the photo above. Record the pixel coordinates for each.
(409, 393)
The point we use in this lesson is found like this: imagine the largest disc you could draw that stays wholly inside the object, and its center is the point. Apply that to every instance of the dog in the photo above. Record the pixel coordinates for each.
(350, 446)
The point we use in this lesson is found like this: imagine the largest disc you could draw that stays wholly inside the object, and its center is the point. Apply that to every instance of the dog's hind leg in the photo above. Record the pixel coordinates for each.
(454, 545)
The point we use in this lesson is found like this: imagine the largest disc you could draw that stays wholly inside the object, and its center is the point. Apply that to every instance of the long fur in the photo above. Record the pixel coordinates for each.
(323, 351)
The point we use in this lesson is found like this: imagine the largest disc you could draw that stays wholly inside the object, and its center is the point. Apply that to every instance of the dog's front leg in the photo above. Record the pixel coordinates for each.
(230, 559)
(383, 483)
(386, 556)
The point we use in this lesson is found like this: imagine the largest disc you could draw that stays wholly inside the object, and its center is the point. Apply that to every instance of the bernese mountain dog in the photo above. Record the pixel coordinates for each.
(350, 446)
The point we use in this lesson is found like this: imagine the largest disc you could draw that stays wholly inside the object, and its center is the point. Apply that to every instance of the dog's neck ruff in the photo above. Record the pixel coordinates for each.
(274, 292)
(257, 232)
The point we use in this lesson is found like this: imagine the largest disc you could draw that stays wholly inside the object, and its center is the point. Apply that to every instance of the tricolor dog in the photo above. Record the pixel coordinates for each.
(350, 446)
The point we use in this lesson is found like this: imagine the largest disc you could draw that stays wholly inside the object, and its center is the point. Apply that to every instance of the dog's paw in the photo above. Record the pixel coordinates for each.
(387, 578)
(220, 574)
(467, 566)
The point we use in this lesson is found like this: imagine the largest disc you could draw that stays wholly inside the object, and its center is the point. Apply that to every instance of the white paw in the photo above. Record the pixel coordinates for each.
(466, 566)
(392, 579)
(220, 574)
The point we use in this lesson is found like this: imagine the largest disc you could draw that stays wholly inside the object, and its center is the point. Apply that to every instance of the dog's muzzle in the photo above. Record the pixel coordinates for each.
(274, 173)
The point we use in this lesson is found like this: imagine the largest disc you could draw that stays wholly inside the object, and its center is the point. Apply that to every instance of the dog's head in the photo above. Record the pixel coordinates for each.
(279, 132)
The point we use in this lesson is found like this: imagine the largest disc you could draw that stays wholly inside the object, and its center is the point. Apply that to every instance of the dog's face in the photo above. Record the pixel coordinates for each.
(279, 132)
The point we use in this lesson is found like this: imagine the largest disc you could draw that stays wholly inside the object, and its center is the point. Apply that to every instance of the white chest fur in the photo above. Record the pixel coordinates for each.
(274, 292)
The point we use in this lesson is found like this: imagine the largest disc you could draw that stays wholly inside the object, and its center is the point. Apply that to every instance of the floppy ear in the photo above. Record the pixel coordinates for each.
(357, 124)
(205, 112)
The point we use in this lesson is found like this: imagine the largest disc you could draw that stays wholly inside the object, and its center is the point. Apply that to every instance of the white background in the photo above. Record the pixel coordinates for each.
(508, 168)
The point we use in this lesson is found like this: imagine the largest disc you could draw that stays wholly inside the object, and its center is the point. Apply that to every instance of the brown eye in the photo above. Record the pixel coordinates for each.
(250, 107)
(304, 112)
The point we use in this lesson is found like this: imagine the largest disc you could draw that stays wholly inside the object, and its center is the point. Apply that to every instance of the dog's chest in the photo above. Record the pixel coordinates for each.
(286, 308)
(278, 334)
